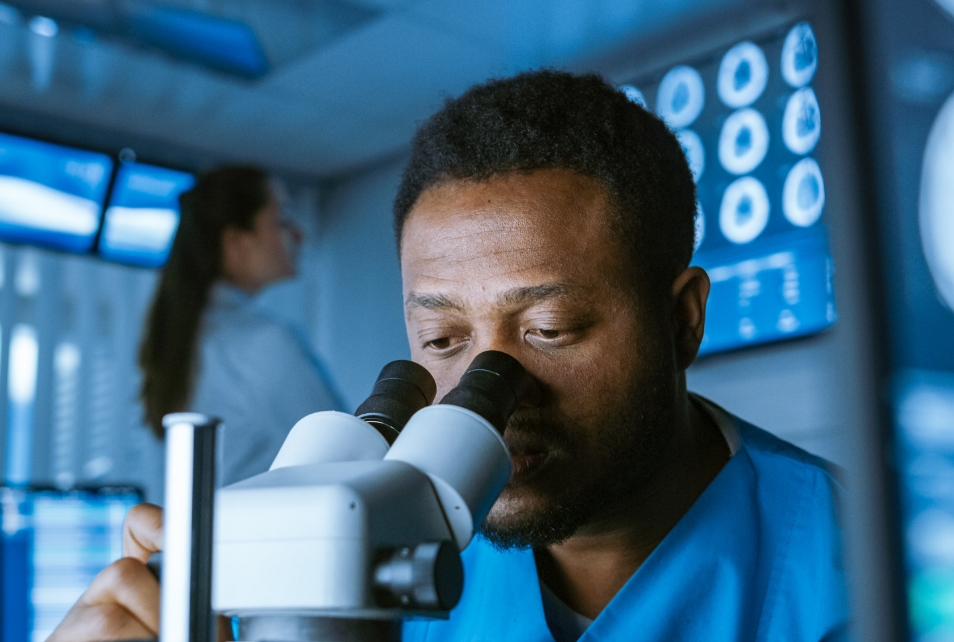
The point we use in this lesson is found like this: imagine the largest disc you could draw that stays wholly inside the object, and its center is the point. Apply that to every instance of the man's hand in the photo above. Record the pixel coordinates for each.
(123, 600)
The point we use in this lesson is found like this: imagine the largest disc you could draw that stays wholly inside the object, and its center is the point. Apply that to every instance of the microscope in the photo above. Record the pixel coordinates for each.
(357, 525)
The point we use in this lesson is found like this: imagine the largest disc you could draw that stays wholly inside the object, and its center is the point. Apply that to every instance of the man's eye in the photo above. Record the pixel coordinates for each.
(549, 335)
(444, 346)
(546, 338)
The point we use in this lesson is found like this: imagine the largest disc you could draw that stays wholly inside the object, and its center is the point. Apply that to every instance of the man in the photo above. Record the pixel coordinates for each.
(548, 217)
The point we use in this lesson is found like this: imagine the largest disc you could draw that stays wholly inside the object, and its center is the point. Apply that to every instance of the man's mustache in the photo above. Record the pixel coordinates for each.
(534, 431)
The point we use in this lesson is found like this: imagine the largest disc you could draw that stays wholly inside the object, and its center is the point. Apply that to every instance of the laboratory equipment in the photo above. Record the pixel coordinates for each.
(341, 543)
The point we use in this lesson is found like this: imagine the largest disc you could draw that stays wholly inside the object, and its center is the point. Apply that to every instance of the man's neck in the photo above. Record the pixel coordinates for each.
(587, 570)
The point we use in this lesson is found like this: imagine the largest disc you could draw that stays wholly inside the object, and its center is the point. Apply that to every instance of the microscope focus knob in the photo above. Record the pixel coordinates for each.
(427, 576)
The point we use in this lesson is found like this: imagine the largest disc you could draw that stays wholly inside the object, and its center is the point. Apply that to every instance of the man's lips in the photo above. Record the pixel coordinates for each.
(526, 462)
(531, 445)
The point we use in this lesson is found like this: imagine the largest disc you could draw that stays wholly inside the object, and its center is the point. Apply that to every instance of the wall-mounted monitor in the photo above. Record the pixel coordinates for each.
(50, 195)
(749, 122)
(143, 214)
(52, 544)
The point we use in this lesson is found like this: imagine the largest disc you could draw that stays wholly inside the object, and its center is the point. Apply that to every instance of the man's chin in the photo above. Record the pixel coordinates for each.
(522, 519)
(515, 504)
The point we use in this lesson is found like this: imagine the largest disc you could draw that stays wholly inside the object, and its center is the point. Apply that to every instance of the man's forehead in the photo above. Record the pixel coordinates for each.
(540, 202)
(517, 179)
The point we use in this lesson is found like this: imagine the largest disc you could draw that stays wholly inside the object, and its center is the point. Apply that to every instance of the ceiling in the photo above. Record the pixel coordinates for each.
(348, 101)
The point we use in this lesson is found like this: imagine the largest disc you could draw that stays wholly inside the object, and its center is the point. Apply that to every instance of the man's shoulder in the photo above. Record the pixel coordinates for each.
(771, 455)
(762, 443)
(798, 498)
(785, 503)
(768, 453)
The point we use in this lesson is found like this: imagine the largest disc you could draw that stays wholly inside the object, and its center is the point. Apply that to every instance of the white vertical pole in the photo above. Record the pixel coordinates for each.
(186, 579)
(177, 535)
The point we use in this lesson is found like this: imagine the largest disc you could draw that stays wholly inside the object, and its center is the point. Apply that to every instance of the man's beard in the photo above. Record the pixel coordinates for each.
(632, 437)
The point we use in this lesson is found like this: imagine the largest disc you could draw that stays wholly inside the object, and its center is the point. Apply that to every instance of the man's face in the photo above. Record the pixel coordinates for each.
(527, 264)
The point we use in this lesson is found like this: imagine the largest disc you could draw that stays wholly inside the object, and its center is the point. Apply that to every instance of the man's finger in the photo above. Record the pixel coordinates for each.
(99, 624)
(224, 625)
(129, 584)
(142, 532)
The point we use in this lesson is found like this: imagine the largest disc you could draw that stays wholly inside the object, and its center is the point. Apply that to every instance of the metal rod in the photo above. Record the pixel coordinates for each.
(186, 591)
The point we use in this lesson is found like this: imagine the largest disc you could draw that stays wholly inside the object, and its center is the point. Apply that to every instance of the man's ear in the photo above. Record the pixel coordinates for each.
(690, 291)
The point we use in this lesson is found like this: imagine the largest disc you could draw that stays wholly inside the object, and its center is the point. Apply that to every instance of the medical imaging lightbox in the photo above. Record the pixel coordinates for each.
(749, 121)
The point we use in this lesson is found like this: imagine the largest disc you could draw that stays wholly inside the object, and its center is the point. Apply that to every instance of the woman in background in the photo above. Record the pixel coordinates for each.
(207, 347)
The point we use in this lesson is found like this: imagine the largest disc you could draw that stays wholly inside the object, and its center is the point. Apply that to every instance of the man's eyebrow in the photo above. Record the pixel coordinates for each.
(431, 301)
(511, 298)
(534, 293)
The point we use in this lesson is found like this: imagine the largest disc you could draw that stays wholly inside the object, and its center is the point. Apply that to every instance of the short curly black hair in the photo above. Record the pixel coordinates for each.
(552, 119)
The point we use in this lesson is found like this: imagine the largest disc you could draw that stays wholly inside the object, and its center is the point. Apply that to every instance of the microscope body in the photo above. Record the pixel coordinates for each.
(376, 537)
(360, 521)
(304, 538)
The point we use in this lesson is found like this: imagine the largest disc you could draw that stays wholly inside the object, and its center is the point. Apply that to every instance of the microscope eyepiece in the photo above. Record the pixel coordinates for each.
(402, 388)
(492, 386)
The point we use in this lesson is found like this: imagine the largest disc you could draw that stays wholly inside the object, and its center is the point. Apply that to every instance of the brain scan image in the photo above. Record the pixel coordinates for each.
(801, 123)
(744, 212)
(743, 142)
(681, 97)
(803, 196)
(799, 55)
(743, 75)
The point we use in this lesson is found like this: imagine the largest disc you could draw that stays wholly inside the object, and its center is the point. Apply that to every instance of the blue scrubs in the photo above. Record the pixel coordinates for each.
(757, 557)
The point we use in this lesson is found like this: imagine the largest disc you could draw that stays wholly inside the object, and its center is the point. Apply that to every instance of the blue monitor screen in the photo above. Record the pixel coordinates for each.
(749, 123)
(53, 544)
(51, 195)
(143, 214)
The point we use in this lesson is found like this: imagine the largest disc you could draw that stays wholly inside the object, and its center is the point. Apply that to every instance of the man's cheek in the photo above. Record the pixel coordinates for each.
(574, 390)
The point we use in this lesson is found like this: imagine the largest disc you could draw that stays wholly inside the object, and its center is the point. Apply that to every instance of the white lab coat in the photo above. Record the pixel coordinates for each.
(259, 376)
